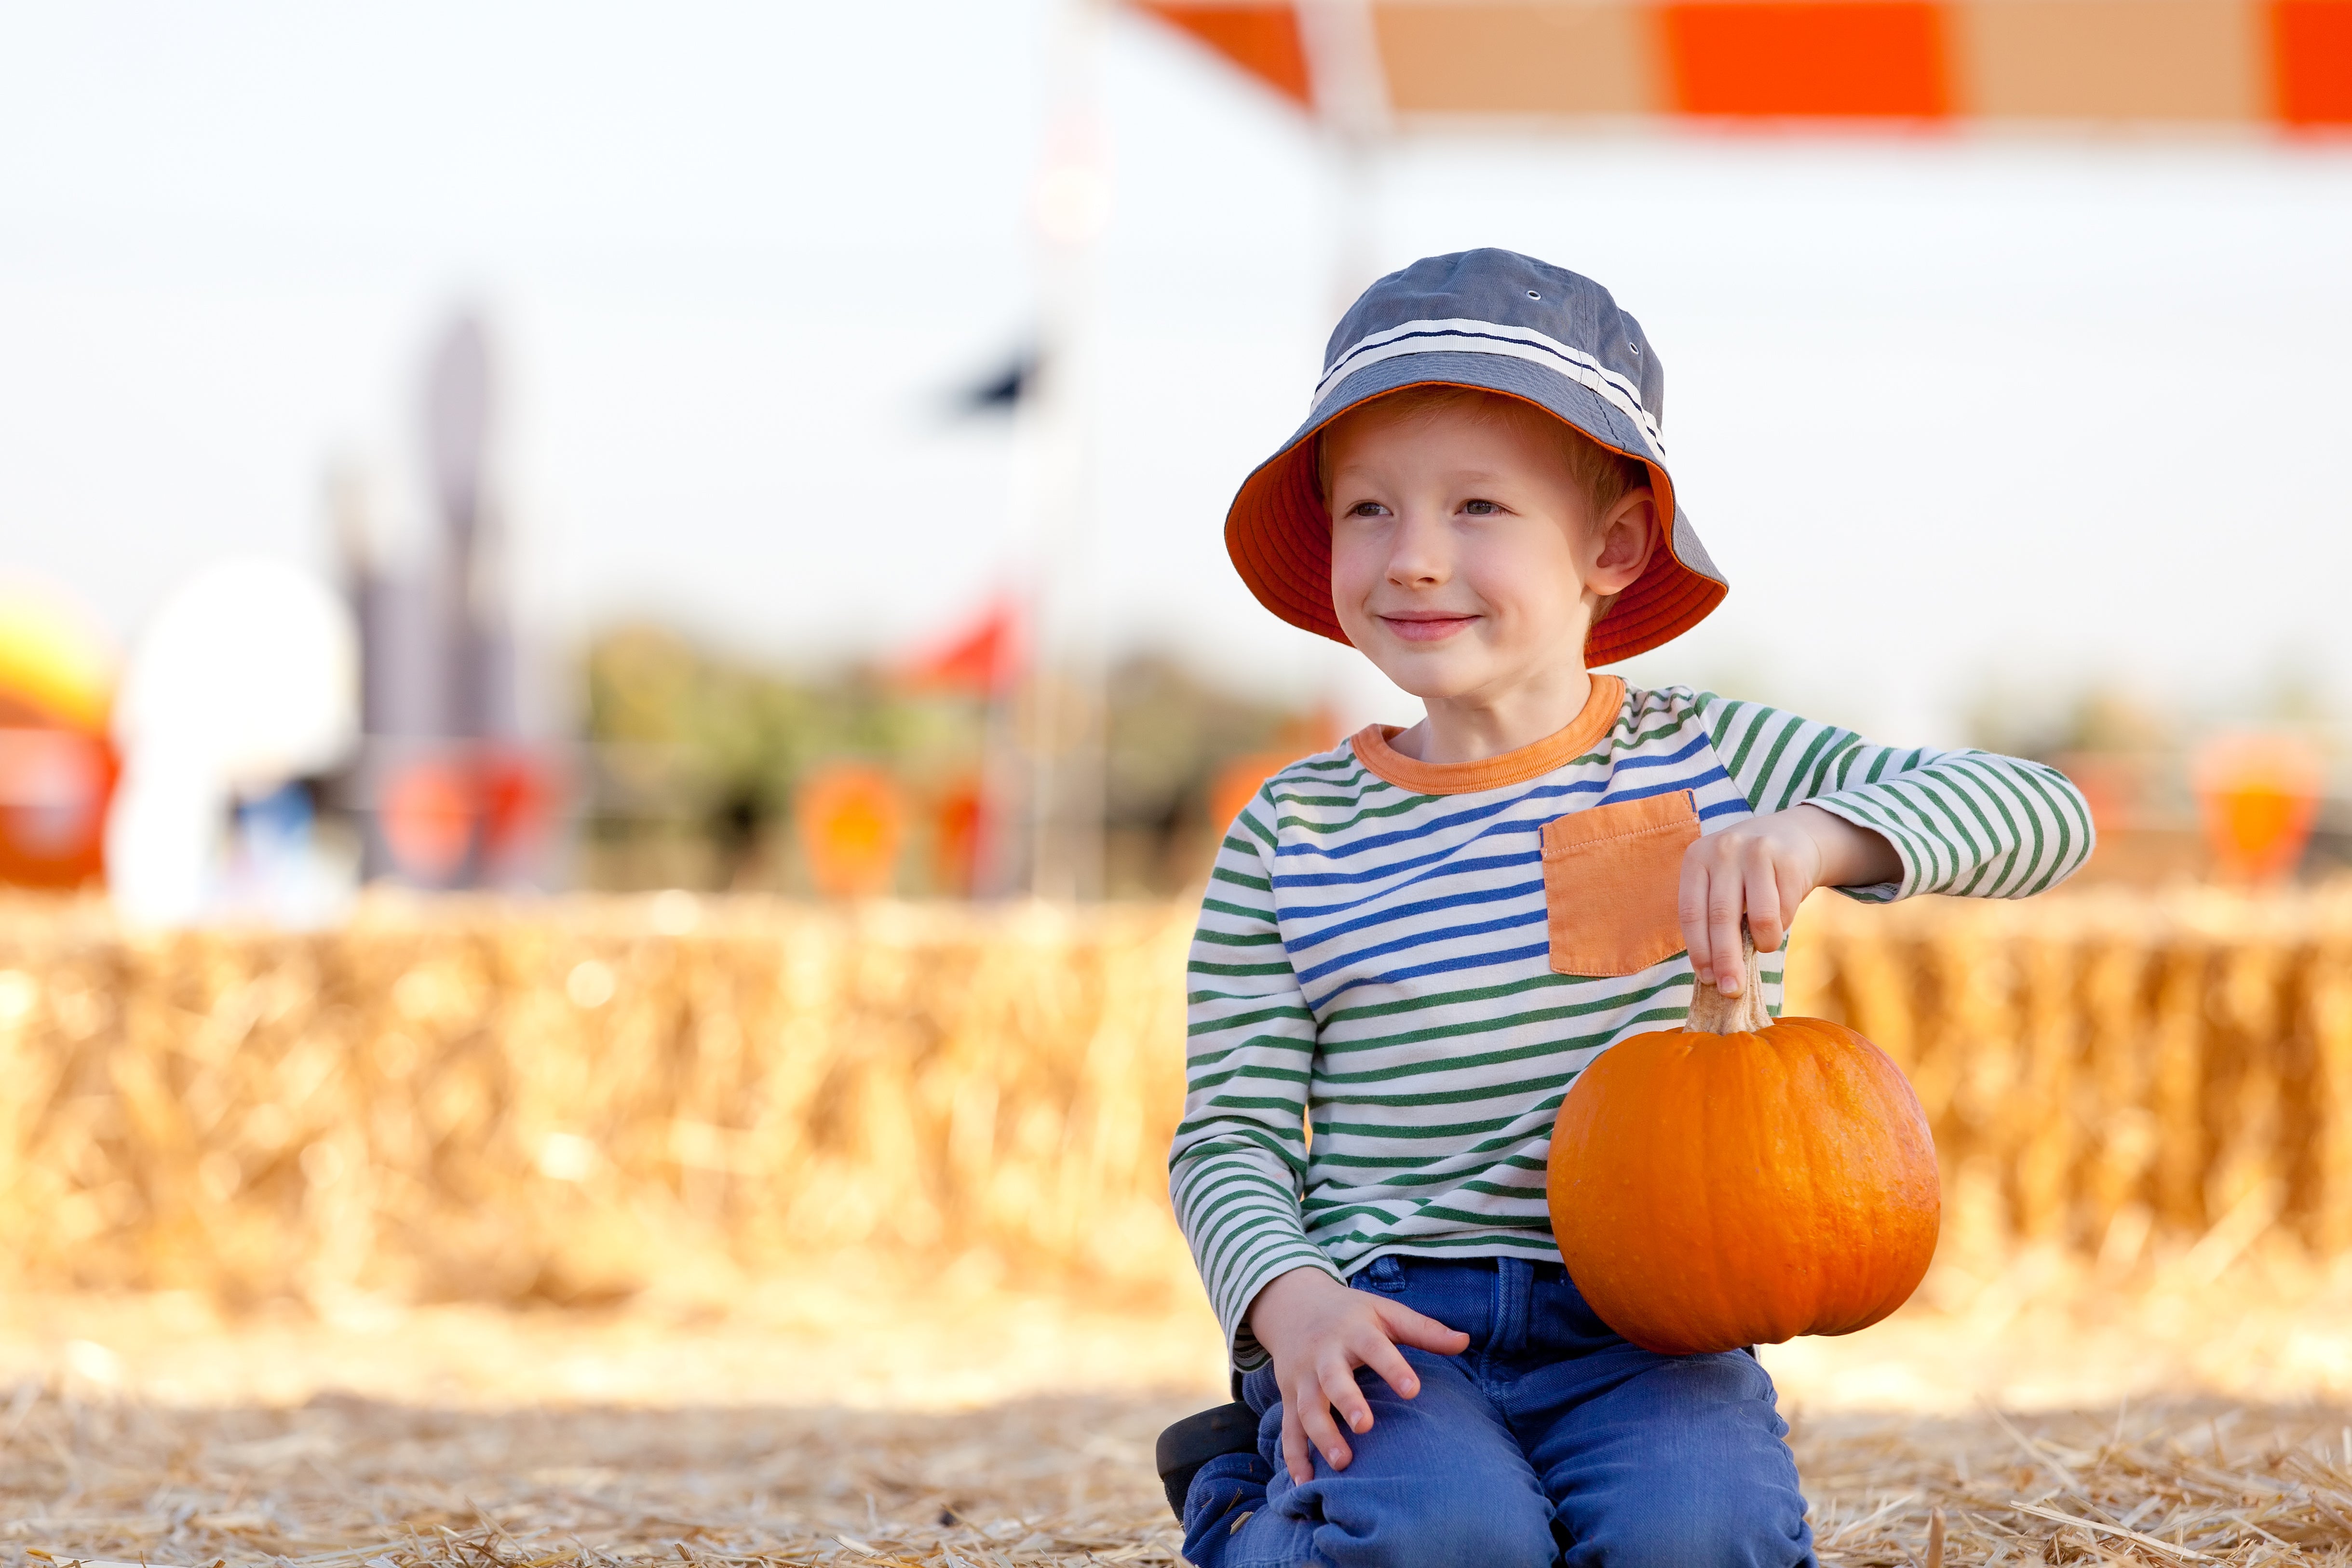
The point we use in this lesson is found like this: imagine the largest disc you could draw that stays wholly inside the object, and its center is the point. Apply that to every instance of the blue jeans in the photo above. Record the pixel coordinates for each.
(1549, 1441)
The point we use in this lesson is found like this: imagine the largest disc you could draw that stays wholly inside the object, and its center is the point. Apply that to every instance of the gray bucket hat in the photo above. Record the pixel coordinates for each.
(1500, 323)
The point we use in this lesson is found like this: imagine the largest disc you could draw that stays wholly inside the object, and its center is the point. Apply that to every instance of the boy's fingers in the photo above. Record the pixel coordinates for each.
(1346, 1400)
(1793, 888)
(1316, 1433)
(1724, 894)
(1764, 904)
(1314, 1417)
(1346, 1396)
(1394, 1369)
(1420, 1330)
(1690, 908)
(1295, 1457)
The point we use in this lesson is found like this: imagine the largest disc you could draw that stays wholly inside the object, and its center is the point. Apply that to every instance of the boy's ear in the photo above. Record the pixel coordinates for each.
(1624, 543)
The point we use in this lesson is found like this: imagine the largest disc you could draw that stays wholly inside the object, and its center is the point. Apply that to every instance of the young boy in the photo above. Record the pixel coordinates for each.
(1412, 944)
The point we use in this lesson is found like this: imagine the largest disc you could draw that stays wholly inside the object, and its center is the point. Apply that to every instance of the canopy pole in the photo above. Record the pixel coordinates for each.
(1060, 720)
(1351, 104)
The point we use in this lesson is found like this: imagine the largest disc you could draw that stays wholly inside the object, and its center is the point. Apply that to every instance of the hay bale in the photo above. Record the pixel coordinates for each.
(468, 1100)
(571, 1100)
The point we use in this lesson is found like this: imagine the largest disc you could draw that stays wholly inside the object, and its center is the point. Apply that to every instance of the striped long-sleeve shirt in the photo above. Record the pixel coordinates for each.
(1376, 960)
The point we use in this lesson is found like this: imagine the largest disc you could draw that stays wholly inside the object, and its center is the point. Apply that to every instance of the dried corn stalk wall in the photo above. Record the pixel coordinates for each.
(469, 1101)
(483, 1101)
(2103, 1068)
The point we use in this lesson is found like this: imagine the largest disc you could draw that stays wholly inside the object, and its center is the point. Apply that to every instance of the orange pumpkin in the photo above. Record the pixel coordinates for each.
(1740, 1182)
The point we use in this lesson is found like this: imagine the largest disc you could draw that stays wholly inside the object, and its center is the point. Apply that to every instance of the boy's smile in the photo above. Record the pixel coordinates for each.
(1467, 564)
(1425, 625)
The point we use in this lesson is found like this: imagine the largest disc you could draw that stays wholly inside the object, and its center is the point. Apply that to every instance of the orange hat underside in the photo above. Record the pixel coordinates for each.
(1279, 536)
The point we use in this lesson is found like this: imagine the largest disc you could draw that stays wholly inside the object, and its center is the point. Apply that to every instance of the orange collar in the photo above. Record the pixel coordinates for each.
(1555, 750)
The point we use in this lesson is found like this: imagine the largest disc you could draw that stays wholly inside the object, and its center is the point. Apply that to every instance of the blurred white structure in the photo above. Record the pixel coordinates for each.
(450, 787)
(243, 684)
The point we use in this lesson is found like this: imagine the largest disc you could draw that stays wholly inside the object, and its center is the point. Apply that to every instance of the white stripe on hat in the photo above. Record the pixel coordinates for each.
(1466, 336)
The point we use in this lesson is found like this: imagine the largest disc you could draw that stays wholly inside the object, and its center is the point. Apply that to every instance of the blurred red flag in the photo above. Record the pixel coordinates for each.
(980, 659)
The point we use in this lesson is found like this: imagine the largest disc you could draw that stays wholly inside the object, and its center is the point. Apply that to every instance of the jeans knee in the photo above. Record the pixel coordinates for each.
(1387, 1524)
(1225, 1492)
(1740, 1530)
(1490, 1536)
(1471, 1529)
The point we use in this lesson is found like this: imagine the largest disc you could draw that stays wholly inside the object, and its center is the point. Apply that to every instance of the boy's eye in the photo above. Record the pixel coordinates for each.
(1366, 508)
(1480, 508)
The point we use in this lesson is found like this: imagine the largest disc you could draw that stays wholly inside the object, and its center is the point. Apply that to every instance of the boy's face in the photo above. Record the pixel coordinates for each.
(1466, 560)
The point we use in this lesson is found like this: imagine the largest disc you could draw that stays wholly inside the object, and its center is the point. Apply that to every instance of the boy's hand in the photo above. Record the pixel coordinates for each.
(1318, 1333)
(1762, 868)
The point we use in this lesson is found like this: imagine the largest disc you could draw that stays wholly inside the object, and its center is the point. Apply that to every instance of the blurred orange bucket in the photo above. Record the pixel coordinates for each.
(851, 817)
(2257, 797)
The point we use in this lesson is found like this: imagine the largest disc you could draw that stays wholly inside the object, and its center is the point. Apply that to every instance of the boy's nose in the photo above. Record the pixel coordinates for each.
(1419, 557)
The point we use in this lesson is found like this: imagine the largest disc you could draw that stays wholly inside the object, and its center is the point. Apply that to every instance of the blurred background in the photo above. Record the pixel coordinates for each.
(684, 415)
(618, 672)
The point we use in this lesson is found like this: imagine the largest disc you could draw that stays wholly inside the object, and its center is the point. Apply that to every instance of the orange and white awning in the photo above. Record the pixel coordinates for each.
(2183, 61)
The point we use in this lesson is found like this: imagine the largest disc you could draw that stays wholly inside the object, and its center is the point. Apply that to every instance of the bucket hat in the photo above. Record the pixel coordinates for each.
(1502, 322)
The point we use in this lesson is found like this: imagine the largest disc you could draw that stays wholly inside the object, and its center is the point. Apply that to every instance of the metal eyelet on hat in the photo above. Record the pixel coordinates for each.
(1533, 295)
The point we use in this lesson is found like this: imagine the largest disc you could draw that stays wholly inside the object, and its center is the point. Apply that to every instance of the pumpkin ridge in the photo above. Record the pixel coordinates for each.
(1794, 1078)
(1841, 1240)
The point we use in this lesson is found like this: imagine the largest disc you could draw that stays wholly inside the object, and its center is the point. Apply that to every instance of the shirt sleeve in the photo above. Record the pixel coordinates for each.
(1970, 822)
(1239, 1162)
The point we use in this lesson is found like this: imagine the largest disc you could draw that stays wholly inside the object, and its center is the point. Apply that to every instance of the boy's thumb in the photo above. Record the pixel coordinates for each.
(1426, 1333)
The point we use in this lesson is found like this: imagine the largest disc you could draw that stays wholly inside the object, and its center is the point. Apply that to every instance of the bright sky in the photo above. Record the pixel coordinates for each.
(1955, 413)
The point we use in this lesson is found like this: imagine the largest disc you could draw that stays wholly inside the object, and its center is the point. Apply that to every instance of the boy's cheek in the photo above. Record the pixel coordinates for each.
(1362, 630)
(1349, 596)
(1351, 580)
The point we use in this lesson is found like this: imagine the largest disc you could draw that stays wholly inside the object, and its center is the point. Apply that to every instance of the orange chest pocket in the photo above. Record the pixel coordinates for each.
(1611, 877)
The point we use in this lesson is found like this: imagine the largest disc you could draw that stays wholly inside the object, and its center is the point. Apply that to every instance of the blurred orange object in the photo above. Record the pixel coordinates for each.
(54, 786)
(851, 817)
(57, 665)
(955, 838)
(2311, 55)
(56, 768)
(2258, 795)
(428, 819)
(1263, 39)
(492, 805)
(1239, 779)
(519, 791)
(1765, 59)
(1498, 61)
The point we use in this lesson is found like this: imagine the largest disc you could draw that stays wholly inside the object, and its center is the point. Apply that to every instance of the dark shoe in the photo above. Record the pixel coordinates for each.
(1195, 1440)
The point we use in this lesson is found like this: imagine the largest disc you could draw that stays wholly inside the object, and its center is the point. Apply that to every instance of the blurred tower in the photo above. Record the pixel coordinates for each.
(479, 698)
(447, 794)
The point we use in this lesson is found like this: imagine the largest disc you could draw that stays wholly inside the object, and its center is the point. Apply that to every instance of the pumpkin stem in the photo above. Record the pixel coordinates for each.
(1713, 1013)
